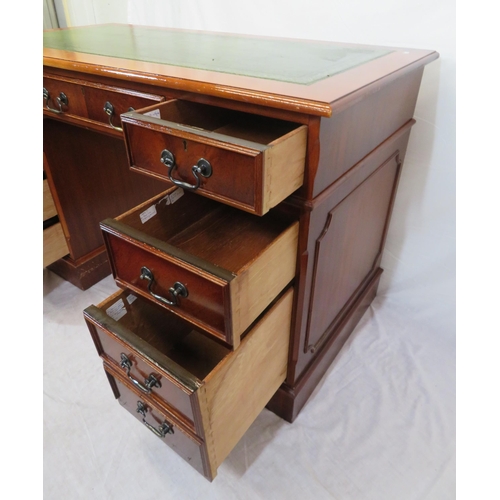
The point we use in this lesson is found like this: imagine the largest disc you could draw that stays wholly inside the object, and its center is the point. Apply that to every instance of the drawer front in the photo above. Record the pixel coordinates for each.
(63, 97)
(228, 388)
(246, 161)
(235, 176)
(187, 446)
(144, 374)
(211, 264)
(207, 304)
(106, 104)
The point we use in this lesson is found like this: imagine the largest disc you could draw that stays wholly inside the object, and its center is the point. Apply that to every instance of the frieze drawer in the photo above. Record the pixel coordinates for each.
(91, 104)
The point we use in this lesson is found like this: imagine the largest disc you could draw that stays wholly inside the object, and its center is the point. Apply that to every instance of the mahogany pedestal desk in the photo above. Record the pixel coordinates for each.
(263, 173)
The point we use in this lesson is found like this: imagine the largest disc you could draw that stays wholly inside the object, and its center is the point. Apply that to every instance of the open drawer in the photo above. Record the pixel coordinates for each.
(250, 162)
(159, 421)
(211, 264)
(210, 393)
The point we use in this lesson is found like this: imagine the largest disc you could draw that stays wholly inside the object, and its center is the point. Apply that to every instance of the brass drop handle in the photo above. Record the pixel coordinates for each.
(164, 428)
(149, 382)
(177, 290)
(61, 99)
(109, 109)
(202, 168)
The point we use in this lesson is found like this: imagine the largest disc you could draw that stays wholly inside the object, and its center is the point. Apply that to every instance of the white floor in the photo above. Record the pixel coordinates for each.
(380, 425)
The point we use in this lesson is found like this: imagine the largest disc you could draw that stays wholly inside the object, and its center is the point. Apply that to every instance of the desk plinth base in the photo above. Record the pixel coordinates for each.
(84, 272)
(288, 401)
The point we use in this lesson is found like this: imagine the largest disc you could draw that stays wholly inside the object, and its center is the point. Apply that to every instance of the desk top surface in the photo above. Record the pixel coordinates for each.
(301, 75)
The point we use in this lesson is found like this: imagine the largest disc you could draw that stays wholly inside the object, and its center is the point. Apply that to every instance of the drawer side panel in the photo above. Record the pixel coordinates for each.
(284, 165)
(239, 388)
(54, 244)
(49, 207)
(258, 285)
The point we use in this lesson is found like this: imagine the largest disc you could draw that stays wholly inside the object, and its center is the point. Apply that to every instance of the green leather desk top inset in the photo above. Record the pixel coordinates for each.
(293, 61)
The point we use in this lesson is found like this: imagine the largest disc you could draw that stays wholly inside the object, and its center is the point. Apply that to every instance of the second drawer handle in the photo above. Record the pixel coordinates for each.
(202, 168)
(164, 428)
(149, 382)
(62, 100)
(109, 109)
(177, 290)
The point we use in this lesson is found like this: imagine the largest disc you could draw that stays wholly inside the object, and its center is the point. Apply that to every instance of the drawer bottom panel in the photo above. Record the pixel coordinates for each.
(187, 446)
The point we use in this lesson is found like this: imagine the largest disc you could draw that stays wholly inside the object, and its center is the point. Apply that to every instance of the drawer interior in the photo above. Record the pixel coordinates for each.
(216, 378)
(166, 333)
(246, 126)
(219, 234)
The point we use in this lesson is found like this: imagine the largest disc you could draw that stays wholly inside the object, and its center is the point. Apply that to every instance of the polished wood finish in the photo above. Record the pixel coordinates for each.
(83, 272)
(233, 264)
(338, 259)
(290, 398)
(135, 335)
(74, 92)
(122, 100)
(356, 246)
(187, 445)
(256, 161)
(89, 178)
(311, 174)
(86, 102)
(353, 132)
(203, 386)
(317, 99)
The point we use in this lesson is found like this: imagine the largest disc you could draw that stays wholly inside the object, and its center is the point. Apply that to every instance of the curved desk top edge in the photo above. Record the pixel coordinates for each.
(318, 98)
